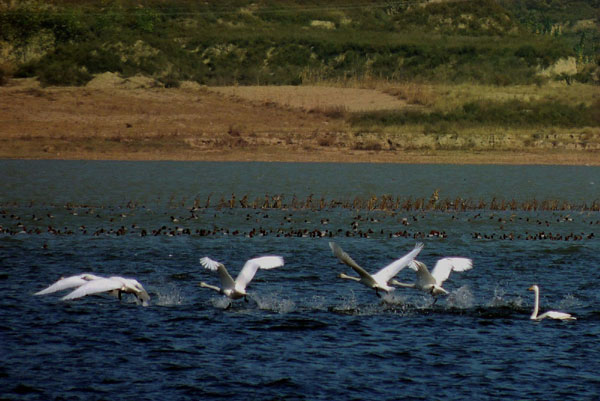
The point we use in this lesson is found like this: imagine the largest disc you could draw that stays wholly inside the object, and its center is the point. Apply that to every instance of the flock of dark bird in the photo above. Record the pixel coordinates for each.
(271, 216)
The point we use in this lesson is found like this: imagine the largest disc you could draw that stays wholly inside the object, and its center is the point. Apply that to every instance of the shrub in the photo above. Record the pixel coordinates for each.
(63, 73)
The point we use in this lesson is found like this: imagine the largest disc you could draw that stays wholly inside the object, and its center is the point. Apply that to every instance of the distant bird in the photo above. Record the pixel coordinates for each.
(69, 282)
(432, 282)
(114, 285)
(379, 280)
(550, 314)
(237, 289)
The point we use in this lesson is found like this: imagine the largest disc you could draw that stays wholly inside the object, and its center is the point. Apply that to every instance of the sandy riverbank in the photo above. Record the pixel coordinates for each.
(117, 119)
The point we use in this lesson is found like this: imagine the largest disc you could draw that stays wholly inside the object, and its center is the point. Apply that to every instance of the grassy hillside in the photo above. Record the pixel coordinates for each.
(503, 42)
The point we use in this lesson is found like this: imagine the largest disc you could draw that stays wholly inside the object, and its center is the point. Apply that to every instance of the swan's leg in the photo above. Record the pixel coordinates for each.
(229, 305)
(377, 293)
(119, 294)
(246, 299)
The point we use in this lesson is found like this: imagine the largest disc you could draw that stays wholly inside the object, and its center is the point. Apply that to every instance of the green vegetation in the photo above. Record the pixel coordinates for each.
(512, 113)
(503, 42)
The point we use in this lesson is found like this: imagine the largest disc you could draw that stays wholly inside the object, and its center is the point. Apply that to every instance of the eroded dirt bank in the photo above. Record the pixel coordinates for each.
(132, 120)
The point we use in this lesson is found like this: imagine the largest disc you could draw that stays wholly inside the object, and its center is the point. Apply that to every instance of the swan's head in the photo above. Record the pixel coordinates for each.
(534, 288)
(347, 277)
(437, 290)
(416, 265)
(90, 277)
(140, 292)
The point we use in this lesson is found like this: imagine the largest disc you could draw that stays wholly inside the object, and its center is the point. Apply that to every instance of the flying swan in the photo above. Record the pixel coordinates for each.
(68, 282)
(115, 285)
(550, 314)
(379, 280)
(432, 282)
(237, 289)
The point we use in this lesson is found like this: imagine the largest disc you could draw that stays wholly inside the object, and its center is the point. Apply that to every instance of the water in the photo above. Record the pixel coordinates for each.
(303, 334)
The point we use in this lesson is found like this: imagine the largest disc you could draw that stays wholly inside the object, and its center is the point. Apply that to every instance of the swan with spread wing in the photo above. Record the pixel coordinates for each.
(431, 282)
(378, 281)
(236, 289)
(115, 285)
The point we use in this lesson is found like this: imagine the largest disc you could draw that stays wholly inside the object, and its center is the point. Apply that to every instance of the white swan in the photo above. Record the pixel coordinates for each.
(115, 285)
(432, 282)
(379, 280)
(550, 314)
(237, 289)
(68, 282)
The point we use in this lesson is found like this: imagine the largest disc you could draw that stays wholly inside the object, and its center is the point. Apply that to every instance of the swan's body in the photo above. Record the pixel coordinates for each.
(550, 314)
(432, 282)
(115, 285)
(236, 289)
(379, 280)
(68, 282)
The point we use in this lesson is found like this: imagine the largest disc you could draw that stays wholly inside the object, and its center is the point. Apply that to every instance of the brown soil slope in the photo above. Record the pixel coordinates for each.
(113, 118)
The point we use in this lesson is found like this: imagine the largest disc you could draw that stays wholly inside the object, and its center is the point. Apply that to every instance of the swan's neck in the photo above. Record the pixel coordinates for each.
(346, 277)
(405, 285)
(212, 287)
(536, 305)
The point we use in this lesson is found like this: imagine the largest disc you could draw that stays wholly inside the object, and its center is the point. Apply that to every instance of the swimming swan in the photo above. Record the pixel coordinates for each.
(68, 282)
(237, 289)
(550, 314)
(379, 280)
(432, 282)
(115, 285)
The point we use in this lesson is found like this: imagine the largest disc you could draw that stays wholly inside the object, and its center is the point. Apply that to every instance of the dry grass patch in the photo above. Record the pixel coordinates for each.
(315, 97)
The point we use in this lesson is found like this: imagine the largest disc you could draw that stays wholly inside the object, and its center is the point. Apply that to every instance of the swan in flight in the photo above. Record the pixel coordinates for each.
(550, 314)
(432, 282)
(115, 285)
(237, 289)
(68, 282)
(379, 280)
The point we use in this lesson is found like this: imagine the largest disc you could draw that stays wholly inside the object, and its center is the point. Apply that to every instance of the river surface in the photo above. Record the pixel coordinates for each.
(303, 333)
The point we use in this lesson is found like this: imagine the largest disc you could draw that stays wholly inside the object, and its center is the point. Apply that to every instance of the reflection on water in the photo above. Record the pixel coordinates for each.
(151, 221)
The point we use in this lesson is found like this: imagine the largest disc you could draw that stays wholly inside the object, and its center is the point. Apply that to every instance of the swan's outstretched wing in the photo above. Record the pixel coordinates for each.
(68, 282)
(345, 258)
(385, 274)
(94, 287)
(251, 266)
(226, 280)
(444, 266)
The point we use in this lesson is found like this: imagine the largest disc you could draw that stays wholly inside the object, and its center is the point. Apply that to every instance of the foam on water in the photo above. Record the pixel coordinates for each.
(168, 295)
(461, 298)
(274, 302)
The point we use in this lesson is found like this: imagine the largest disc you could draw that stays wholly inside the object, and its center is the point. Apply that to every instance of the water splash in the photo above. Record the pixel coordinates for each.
(569, 302)
(500, 299)
(462, 298)
(274, 302)
(220, 302)
(169, 296)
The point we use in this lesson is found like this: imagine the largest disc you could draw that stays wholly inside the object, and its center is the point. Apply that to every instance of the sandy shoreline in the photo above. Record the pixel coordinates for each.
(114, 122)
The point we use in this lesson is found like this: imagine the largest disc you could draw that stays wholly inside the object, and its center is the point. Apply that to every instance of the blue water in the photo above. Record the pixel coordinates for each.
(304, 333)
